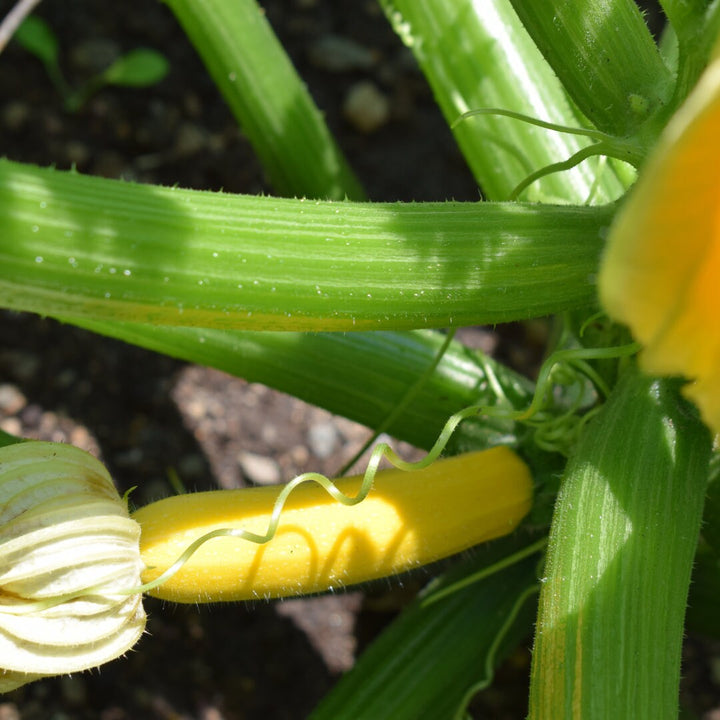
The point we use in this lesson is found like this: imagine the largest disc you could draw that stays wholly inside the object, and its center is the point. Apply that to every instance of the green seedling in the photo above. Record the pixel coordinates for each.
(142, 67)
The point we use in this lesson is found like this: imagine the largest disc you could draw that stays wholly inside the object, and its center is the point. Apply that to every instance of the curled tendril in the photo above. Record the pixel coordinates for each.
(551, 433)
(605, 145)
(555, 428)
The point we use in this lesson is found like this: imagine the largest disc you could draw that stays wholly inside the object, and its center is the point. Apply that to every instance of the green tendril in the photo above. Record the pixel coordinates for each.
(605, 145)
(551, 432)
(570, 355)
(569, 130)
(406, 399)
(462, 711)
(575, 159)
(432, 596)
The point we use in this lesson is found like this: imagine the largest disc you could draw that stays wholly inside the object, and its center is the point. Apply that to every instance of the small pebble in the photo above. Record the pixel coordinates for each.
(299, 455)
(9, 711)
(323, 439)
(76, 152)
(15, 114)
(366, 108)
(21, 365)
(11, 426)
(11, 399)
(338, 54)
(190, 139)
(259, 469)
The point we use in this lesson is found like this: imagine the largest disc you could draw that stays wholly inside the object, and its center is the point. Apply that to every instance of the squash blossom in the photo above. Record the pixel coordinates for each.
(67, 546)
(72, 561)
(661, 271)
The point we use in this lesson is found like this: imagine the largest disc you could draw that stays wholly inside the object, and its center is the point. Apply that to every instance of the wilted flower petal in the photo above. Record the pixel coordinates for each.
(68, 554)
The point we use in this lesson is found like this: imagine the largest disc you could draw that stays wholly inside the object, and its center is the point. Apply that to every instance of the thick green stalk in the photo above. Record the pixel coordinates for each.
(604, 55)
(77, 246)
(363, 376)
(270, 101)
(623, 537)
(401, 677)
(695, 24)
(478, 55)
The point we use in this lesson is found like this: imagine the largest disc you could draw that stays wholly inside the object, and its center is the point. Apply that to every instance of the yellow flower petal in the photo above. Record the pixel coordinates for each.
(661, 271)
(408, 519)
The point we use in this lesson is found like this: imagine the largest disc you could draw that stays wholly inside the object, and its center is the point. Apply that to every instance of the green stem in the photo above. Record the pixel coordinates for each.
(100, 249)
(362, 376)
(605, 57)
(623, 537)
(269, 100)
(478, 55)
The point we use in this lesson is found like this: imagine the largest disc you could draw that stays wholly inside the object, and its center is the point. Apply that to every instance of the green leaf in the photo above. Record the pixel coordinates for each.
(138, 68)
(36, 37)
(7, 439)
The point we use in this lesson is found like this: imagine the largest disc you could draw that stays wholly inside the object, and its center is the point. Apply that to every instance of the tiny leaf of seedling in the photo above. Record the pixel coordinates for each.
(35, 35)
(139, 68)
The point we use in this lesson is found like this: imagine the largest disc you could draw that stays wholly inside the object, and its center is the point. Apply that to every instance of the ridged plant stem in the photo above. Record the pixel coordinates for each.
(76, 246)
(268, 98)
(604, 55)
(623, 537)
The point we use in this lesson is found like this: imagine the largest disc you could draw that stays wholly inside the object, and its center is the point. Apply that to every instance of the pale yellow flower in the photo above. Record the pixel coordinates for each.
(67, 547)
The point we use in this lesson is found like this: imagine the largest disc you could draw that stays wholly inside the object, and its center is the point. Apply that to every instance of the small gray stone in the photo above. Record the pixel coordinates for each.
(11, 399)
(15, 114)
(335, 53)
(190, 139)
(366, 107)
(9, 711)
(76, 152)
(323, 439)
(259, 469)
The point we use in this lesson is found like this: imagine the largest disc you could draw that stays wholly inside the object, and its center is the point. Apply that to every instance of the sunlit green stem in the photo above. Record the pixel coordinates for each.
(76, 246)
(478, 55)
(603, 53)
(270, 101)
(624, 534)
